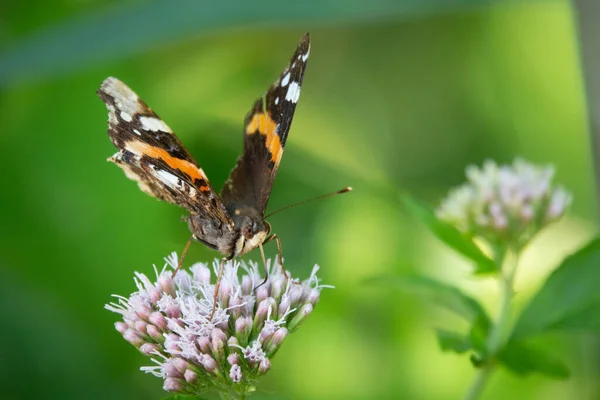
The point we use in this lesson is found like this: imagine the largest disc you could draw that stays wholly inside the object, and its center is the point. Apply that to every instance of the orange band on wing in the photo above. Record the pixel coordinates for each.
(264, 124)
(142, 149)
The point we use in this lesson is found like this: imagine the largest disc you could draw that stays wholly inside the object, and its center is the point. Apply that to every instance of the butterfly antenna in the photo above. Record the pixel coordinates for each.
(344, 190)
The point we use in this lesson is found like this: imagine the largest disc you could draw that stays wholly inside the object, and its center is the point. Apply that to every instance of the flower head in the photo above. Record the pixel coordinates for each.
(506, 203)
(169, 320)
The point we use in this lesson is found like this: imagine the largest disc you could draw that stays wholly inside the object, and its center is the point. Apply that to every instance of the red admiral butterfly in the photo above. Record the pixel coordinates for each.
(150, 153)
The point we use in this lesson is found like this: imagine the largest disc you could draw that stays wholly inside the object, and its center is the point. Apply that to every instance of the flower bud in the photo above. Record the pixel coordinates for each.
(275, 341)
(235, 373)
(265, 309)
(173, 311)
(235, 306)
(246, 285)
(204, 344)
(155, 295)
(200, 273)
(132, 337)
(218, 334)
(264, 365)
(300, 317)
(243, 327)
(218, 339)
(224, 294)
(261, 294)
(170, 370)
(144, 312)
(284, 305)
(313, 297)
(190, 376)
(296, 294)
(559, 202)
(171, 341)
(267, 331)
(277, 287)
(233, 358)
(248, 306)
(156, 318)
(154, 333)
(232, 342)
(130, 322)
(148, 348)
(165, 282)
(180, 364)
(209, 363)
(172, 385)
(140, 326)
(121, 327)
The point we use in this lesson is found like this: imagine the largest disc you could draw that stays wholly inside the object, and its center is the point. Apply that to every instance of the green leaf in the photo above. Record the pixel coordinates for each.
(569, 299)
(442, 294)
(479, 334)
(454, 300)
(450, 235)
(524, 359)
(453, 341)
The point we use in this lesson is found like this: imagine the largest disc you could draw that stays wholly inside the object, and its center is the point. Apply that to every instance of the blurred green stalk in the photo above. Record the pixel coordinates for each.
(499, 331)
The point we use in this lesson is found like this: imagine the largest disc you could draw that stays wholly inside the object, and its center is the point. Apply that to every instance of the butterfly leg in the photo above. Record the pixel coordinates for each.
(180, 263)
(279, 252)
(218, 285)
(262, 254)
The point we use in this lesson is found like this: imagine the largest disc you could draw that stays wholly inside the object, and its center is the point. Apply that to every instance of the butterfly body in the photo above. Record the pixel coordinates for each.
(151, 154)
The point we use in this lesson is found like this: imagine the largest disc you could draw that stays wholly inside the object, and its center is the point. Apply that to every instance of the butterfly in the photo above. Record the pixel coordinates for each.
(232, 222)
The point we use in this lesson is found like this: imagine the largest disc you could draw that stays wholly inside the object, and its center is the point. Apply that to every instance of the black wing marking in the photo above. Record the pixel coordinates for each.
(266, 128)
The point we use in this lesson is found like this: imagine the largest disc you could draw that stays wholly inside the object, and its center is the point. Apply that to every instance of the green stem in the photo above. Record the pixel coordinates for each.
(499, 331)
(479, 383)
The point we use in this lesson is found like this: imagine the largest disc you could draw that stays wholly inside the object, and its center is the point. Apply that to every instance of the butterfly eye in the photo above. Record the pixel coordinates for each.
(248, 232)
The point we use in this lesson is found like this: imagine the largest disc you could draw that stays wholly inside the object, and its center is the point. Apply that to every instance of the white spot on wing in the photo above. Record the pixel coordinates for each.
(137, 132)
(293, 92)
(112, 117)
(276, 100)
(125, 98)
(126, 117)
(154, 124)
(285, 80)
(173, 181)
(305, 56)
(167, 178)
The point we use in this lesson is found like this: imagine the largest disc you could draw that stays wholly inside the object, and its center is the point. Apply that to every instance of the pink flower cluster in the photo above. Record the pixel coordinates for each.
(168, 320)
(505, 203)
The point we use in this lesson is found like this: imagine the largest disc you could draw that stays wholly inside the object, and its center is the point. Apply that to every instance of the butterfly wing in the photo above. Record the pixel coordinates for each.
(151, 154)
(266, 128)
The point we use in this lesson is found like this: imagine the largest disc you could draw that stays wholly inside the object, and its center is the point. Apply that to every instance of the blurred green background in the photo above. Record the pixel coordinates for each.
(398, 96)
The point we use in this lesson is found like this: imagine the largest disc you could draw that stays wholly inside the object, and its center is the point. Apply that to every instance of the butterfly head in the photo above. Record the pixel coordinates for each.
(253, 230)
